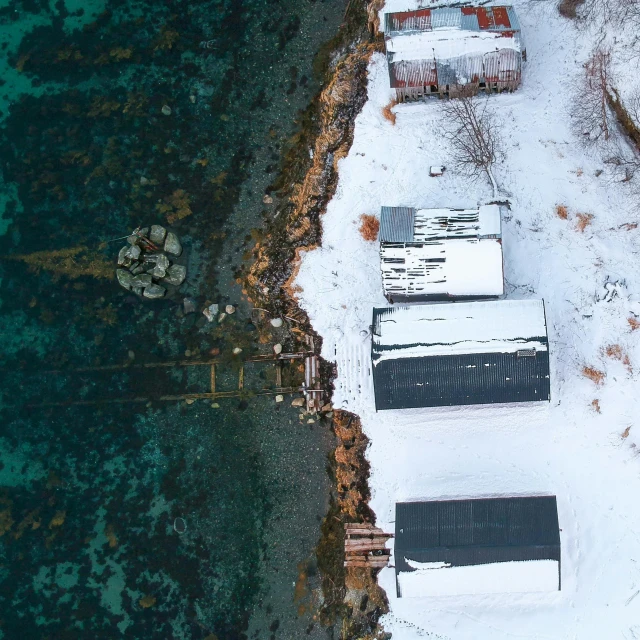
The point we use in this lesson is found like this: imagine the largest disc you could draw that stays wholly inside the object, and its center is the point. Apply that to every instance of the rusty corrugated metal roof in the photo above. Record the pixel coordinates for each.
(498, 18)
(502, 65)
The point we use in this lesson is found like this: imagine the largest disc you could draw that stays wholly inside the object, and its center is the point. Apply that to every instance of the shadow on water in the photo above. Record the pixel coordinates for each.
(118, 114)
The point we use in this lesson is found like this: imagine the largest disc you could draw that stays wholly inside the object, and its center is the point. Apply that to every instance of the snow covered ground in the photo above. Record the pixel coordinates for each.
(580, 447)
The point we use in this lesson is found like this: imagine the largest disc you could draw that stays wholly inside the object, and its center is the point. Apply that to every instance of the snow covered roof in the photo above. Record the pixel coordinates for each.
(435, 254)
(406, 224)
(460, 353)
(487, 545)
(453, 46)
(501, 326)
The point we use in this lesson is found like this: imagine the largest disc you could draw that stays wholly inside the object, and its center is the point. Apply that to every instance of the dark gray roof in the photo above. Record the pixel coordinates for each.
(460, 354)
(473, 378)
(480, 531)
(396, 224)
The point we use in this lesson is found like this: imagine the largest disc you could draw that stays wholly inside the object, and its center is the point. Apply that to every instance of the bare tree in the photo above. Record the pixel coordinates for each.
(474, 136)
(591, 115)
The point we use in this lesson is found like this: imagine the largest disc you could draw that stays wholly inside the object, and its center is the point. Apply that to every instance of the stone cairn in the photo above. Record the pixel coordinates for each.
(144, 265)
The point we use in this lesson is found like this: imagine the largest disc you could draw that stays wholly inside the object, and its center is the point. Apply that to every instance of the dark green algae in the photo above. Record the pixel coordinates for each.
(88, 495)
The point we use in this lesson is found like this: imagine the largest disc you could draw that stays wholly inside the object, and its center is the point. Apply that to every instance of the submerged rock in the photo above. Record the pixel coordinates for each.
(154, 291)
(236, 351)
(277, 349)
(172, 244)
(279, 398)
(210, 312)
(125, 278)
(189, 305)
(142, 280)
(276, 322)
(298, 402)
(133, 252)
(158, 234)
(230, 309)
(123, 255)
(166, 110)
(175, 275)
(158, 272)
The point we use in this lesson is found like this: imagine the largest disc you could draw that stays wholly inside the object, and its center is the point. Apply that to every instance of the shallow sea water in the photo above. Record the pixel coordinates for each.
(89, 492)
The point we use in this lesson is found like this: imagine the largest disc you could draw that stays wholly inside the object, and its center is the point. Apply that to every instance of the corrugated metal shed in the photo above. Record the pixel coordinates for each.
(477, 531)
(460, 354)
(425, 53)
(439, 254)
(396, 224)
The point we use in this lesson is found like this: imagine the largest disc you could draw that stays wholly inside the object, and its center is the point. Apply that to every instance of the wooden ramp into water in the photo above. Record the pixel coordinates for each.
(311, 389)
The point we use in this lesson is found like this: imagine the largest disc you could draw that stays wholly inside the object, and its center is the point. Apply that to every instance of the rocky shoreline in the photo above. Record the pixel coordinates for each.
(351, 600)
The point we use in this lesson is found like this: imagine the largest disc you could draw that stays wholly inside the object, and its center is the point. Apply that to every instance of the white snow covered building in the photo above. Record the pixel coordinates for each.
(460, 353)
(477, 546)
(440, 51)
(440, 254)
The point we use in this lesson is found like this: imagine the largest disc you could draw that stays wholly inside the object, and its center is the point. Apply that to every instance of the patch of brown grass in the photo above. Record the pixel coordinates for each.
(584, 220)
(387, 113)
(369, 227)
(634, 323)
(625, 434)
(562, 212)
(616, 352)
(595, 404)
(594, 375)
(568, 8)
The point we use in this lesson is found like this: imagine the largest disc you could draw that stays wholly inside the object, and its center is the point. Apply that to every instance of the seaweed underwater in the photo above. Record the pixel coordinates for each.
(120, 518)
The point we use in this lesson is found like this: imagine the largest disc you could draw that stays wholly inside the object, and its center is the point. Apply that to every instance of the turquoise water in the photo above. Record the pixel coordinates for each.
(89, 493)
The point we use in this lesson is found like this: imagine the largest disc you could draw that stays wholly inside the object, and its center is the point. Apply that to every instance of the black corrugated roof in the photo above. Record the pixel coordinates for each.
(456, 378)
(480, 531)
(519, 521)
(474, 378)
(396, 224)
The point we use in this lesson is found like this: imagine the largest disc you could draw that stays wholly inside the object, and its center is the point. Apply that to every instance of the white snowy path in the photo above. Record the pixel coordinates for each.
(565, 448)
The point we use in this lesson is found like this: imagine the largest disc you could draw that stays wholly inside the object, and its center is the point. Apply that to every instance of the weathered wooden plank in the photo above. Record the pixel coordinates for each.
(377, 563)
(364, 531)
(174, 363)
(167, 398)
(241, 379)
(213, 378)
(371, 545)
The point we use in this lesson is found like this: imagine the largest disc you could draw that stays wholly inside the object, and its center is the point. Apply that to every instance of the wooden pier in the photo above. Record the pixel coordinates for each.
(365, 546)
(310, 387)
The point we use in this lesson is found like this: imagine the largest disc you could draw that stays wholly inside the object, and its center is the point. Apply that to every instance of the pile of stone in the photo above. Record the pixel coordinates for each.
(144, 263)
